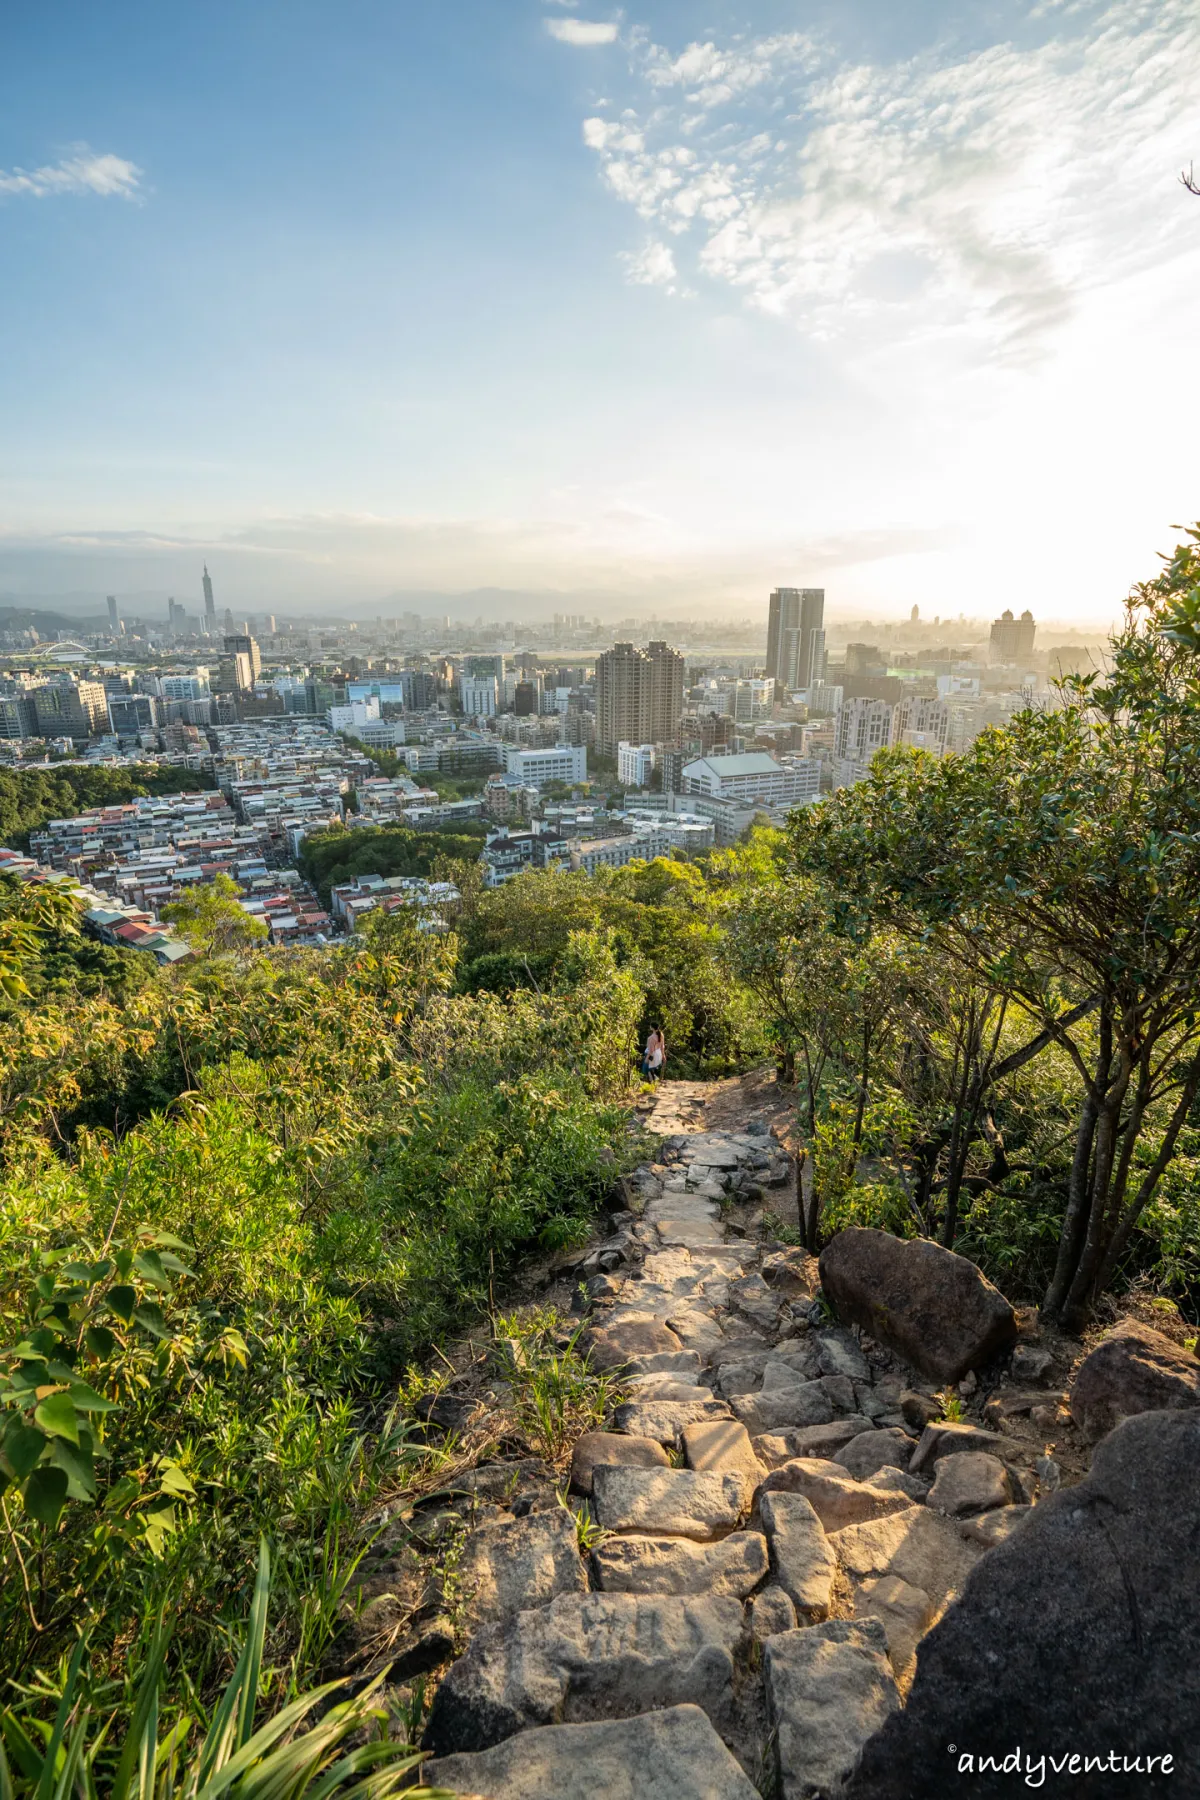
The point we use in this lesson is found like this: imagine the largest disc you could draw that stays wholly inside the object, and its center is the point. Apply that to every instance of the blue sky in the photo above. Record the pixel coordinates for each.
(660, 305)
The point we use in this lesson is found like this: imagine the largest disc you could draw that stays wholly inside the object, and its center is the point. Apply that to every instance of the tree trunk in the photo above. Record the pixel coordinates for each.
(1075, 1220)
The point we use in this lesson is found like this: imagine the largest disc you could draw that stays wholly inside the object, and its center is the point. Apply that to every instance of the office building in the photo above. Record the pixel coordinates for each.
(558, 762)
(131, 714)
(17, 717)
(241, 644)
(114, 622)
(210, 608)
(1011, 640)
(755, 779)
(796, 637)
(635, 763)
(527, 697)
(478, 694)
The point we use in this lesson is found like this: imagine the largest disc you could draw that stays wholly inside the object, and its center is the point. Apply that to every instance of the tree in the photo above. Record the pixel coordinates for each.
(213, 920)
(1058, 863)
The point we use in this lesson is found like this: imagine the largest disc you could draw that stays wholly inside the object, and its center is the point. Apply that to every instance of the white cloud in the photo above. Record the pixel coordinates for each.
(81, 173)
(979, 194)
(582, 31)
(651, 266)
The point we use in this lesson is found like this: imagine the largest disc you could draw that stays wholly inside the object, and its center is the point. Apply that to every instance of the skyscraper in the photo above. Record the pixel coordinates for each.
(666, 692)
(796, 637)
(241, 644)
(210, 605)
(1011, 639)
(113, 620)
(622, 698)
(639, 696)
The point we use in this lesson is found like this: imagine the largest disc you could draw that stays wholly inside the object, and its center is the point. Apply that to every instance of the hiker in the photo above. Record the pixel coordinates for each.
(655, 1055)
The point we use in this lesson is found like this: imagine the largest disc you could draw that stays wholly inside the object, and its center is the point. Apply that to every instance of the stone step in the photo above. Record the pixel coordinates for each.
(674, 1754)
(593, 1655)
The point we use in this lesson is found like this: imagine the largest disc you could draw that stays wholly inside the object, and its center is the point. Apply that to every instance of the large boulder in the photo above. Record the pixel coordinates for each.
(670, 1755)
(583, 1657)
(1133, 1370)
(1079, 1635)
(935, 1309)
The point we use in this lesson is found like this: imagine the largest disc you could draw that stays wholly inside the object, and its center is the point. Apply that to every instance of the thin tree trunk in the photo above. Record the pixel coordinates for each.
(1074, 1225)
(1166, 1150)
(1107, 1135)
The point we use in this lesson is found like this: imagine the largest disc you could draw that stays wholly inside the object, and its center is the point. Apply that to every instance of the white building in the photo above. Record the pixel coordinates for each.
(185, 687)
(755, 779)
(635, 763)
(478, 694)
(615, 852)
(863, 727)
(921, 723)
(557, 762)
(353, 716)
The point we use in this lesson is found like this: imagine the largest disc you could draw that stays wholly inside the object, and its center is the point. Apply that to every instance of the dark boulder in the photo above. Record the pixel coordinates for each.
(935, 1309)
(1077, 1636)
(1134, 1370)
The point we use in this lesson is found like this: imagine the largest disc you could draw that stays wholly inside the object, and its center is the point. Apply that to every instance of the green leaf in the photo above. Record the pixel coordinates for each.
(76, 1465)
(45, 1494)
(87, 1400)
(56, 1416)
(100, 1341)
(22, 1447)
(122, 1301)
(149, 1266)
(174, 1481)
(38, 1343)
(150, 1318)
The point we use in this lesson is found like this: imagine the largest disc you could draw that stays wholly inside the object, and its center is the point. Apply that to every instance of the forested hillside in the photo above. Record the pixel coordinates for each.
(28, 797)
(243, 1202)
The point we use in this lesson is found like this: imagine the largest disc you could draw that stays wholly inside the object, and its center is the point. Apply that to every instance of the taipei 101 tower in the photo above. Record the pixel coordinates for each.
(210, 609)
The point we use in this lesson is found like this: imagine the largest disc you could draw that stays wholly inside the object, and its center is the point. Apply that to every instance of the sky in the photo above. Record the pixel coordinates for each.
(648, 308)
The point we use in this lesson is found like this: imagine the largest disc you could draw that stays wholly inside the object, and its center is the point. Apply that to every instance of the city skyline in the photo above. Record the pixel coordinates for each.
(638, 308)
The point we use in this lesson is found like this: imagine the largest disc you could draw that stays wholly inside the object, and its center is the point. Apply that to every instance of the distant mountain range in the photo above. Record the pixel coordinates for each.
(56, 624)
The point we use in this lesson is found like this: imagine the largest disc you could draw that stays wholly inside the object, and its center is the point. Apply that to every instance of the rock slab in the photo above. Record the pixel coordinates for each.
(517, 1563)
(586, 1657)
(670, 1755)
(1079, 1632)
(829, 1689)
(669, 1565)
(937, 1310)
(801, 1559)
(675, 1502)
(596, 1447)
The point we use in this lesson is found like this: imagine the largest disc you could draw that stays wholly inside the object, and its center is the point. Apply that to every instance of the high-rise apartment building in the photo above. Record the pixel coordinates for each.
(639, 696)
(666, 692)
(1011, 639)
(210, 605)
(74, 709)
(863, 727)
(796, 637)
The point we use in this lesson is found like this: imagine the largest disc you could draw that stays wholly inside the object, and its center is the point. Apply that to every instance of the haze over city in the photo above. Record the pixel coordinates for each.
(497, 311)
